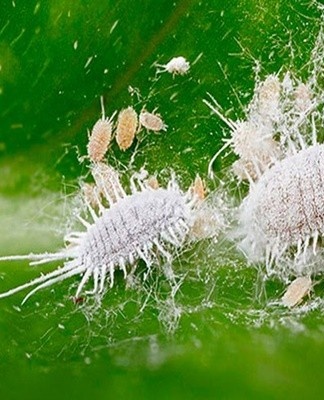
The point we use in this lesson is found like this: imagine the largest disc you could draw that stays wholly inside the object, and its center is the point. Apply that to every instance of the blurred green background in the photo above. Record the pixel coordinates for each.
(56, 59)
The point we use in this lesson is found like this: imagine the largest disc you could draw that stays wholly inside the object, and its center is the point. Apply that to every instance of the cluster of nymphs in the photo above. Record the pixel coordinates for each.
(129, 124)
(280, 222)
(145, 222)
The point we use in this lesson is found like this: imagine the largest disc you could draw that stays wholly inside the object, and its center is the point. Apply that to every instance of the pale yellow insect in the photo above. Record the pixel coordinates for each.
(126, 128)
(296, 291)
(151, 121)
(100, 137)
(152, 182)
(198, 188)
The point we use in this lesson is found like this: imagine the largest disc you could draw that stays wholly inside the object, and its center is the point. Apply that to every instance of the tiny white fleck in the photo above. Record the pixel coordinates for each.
(75, 45)
(88, 62)
(113, 26)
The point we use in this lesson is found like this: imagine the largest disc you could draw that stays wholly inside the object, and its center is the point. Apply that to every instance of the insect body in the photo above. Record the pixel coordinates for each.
(126, 128)
(152, 122)
(100, 137)
(141, 225)
(176, 66)
(286, 207)
(296, 291)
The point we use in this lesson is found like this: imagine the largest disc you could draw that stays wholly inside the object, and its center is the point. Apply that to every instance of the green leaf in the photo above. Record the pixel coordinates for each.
(56, 59)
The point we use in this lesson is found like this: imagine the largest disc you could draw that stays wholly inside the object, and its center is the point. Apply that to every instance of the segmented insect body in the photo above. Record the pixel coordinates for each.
(251, 140)
(152, 122)
(296, 291)
(126, 128)
(100, 137)
(142, 225)
(107, 182)
(285, 208)
(176, 66)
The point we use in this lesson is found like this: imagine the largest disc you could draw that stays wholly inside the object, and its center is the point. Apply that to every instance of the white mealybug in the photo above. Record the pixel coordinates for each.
(285, 208)
(126, 128)
(296, 291)
(252, 141)
(151, 121)
(100, 137)
(176, 66)
(281, 219)
(144, 225)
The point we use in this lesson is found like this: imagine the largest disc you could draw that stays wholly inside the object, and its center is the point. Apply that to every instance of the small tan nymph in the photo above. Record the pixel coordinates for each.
(126, 128)
(100, 137)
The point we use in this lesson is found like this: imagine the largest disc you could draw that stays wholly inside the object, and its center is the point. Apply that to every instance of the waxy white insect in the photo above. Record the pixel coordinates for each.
(285, 207)
(126, 128)
(281, 220)
(100, 137)
(252, 141)
(144, 224)
(176, 66)
(296, 291)
(152, 121)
